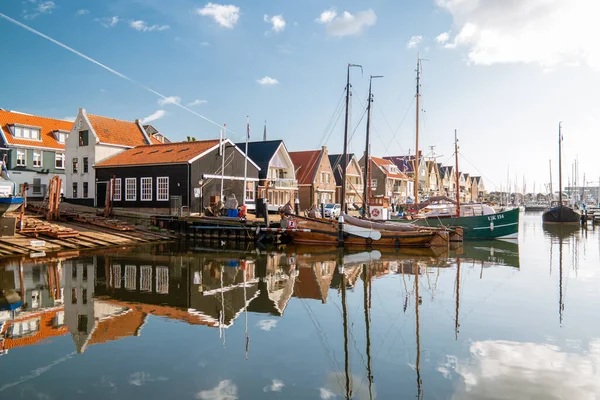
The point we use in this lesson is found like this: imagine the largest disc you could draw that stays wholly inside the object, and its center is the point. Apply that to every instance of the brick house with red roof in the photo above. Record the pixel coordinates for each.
(387, 180)
(316, 182)
(35, 149)
(94, 138)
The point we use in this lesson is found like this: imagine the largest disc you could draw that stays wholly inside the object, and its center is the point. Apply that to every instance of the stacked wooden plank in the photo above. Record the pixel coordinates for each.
(34, 227)
(113, 224)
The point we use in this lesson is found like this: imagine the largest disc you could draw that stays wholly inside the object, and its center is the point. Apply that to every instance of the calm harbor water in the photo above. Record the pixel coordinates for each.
(489, 320)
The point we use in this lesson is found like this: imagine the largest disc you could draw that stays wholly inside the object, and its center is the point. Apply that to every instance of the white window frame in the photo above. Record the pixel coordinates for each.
(60, 156)
(373, 183)
(127, 197)
(23, 153)
(249, 191)
(73, 170)
(117, 189)
(37, 152)
(143, 197)
(162, 180)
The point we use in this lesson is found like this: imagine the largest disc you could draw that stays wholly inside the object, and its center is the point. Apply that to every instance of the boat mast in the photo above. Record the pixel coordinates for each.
(345, 323)
(560, 163)
(457, 175)
(416, 165)
(367, 158)
(551, 193)
(345, 154)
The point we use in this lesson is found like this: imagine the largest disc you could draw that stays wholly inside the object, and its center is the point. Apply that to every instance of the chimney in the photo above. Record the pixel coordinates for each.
(82, 110)
(138, 121)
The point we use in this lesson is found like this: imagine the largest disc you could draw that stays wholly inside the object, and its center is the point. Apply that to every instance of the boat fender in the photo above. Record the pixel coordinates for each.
(369, 241)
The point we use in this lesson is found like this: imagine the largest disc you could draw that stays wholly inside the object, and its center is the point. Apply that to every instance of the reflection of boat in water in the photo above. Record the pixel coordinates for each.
(561, 231)
(497, 252)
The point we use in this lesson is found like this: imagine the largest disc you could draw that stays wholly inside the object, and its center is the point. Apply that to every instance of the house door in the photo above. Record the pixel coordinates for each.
(101, 188)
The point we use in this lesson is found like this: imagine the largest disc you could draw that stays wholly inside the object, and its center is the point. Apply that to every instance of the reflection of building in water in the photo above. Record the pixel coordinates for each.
(313, 280)
(31, 303)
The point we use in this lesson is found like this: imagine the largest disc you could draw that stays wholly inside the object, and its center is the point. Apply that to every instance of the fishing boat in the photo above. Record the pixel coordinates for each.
(9, 201)
(559, 213)
(351, 231)
(532, 207)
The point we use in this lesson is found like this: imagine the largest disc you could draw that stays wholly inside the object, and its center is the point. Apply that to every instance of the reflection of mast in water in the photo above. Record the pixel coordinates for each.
(456, 324)
(345, 319)
(561, 306)
(418, 361)
(222, 313)
(246, 311)
(367, 282)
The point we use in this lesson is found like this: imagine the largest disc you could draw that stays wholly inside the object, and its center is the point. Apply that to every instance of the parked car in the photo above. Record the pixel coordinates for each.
(332, 210)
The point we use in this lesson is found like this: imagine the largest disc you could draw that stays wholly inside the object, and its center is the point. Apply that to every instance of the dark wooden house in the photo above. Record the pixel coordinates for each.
(174, 175)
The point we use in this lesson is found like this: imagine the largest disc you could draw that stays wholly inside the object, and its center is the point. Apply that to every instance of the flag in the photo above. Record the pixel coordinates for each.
(4, 170)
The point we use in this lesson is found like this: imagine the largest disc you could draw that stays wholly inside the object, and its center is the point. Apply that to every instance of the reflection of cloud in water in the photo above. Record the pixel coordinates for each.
(512, 370)
(141, 378)
(267, 324)
(335, 385)
(275, 386)
(225, 390)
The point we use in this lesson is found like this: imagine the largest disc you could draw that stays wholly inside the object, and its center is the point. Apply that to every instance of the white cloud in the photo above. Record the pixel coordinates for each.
(141, 26)
(70, 119)
(277, 22)
(267, 81)
(42, 7)
(169, 100)
(326, 394)
(82, 12)
(109, 22)
(225, 390)
(414, 42)
(503, 370)
(347, 24)
(267, 324)
(326, 16)
(275, 386)
(442, 38)
(197, 102)
(158, 114)
(225, 15)
(544, 32)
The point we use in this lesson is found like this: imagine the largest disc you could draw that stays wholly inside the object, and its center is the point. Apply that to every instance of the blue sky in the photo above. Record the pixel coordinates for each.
(502, 73)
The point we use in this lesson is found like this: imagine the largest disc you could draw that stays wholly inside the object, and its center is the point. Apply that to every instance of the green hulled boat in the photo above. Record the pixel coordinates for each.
(501, 225)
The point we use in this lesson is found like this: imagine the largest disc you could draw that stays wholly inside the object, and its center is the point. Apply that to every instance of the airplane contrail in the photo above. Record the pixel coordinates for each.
(109, 69)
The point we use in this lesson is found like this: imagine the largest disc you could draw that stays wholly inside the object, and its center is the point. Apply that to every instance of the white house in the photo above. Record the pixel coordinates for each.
(92, 139)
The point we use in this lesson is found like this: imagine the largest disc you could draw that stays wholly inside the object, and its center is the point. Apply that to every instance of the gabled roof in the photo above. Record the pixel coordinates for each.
(168, 153)
(336, 160)
(306, 164)
(47, 127)
(261, 153)
(381, 162)
(405, 164)
(118, 132)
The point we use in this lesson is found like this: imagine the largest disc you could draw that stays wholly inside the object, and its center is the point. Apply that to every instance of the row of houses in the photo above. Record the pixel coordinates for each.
(144, 170)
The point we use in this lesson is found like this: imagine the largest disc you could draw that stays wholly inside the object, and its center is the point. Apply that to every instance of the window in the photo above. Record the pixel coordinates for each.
(116, 276)
(325, 177)
(83, 138)
(373, 183)
(74, 190)
(146, 278)
(85, 190)
(117, 189)
(162, 280)
(37, 186)
(146, 189)
(21, 158)
(249, 190)
(130, 277)
(74, 296)
(61, 137)
(85, 165)
(59, 160)
(84, 296)
(130, 189)
(27, 132)
(82, 323)
(37, 158)
(162, 188)
(75, 162)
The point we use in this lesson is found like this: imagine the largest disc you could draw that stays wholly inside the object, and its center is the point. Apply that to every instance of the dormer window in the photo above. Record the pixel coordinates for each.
(61, 136)
(26, 132)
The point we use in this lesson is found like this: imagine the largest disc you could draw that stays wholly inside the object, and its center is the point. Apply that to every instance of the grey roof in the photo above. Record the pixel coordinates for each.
(261, 153)
(335, 160)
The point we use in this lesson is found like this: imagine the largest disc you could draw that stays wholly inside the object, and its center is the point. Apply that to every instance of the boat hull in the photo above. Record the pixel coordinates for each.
(321, 233)
(502, 225)
(8, 204)
(561, 215)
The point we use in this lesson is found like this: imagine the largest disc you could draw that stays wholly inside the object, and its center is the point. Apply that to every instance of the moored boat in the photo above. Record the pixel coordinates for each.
(9, 201)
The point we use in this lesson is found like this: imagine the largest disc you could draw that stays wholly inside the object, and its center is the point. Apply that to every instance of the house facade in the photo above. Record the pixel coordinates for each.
(316, 183)
(187, 173)
(433, 181)
(406, 165)
(93, 139)
(35, 150)
(354, 179)
(387, 180)
(277, 176)
(448, 181)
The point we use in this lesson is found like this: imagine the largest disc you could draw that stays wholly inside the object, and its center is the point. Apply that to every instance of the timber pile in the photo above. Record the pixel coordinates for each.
(113, 224)
(34, 227)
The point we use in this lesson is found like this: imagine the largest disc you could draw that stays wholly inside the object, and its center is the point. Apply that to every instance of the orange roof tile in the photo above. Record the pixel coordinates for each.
(115, 131)
(168, 153)
(47, 329)
(117, 327)
(174, 313)
(47, 125)
(382, 163)
(305, 163)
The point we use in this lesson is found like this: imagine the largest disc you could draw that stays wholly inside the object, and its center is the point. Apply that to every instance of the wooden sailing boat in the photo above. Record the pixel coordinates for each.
(559, 213)
(350, 231)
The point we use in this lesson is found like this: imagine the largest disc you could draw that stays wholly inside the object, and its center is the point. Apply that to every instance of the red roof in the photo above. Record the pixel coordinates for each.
(47, 329)
(122, 133)
(305, 164)
(47, 125)
(383, 163)
(168, 153)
